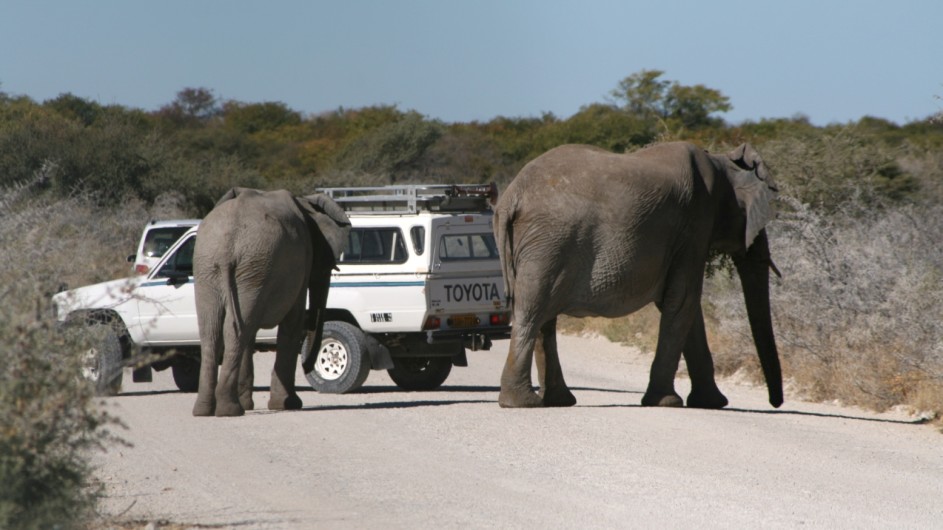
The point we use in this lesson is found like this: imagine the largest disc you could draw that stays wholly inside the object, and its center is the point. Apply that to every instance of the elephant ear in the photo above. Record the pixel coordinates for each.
(331, 219)
(754, 188)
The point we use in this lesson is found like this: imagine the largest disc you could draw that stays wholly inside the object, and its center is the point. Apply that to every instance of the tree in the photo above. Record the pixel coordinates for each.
(643, 94)
(76, 108)
(391, 150)
(647, 96)
(251, 118)
(693, 105)
(192, 106)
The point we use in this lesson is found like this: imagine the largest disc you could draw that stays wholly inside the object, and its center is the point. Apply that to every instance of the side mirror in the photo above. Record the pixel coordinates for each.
(176, 277)
(132, 257)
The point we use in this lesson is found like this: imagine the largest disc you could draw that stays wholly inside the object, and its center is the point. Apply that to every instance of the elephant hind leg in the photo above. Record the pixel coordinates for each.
(553, 389)
(211, 349)
(516, 387)
(239, 345)
(291, 331)
(247, 379)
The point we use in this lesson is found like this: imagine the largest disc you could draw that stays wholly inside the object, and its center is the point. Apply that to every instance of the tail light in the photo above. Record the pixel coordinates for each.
(499, 319)
(433, 322)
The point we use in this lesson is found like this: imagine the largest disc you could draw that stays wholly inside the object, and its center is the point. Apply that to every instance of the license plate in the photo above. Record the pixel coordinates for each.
(463, 321)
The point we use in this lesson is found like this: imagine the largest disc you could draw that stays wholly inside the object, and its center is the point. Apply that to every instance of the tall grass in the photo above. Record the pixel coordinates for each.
(50, 419)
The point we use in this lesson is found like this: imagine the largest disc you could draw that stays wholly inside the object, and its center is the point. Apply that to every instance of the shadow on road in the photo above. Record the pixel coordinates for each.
(392, 389)
(917, 421)
(445, 390)
(386, 405)
(608, 390)
(142, 393)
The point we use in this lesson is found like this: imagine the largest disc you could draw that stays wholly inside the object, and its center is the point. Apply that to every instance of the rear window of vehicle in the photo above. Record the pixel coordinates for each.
(455, 247)
(158, 240)
(375, 245)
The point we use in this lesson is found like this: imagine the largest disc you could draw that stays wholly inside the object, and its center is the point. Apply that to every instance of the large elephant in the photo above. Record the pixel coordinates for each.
(258, 254)
(583, 231)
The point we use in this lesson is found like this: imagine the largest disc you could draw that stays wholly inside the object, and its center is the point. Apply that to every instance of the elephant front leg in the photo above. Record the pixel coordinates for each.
(553, 389)
(283, 395)
(697, 355)
(516, 388)
(673, 329)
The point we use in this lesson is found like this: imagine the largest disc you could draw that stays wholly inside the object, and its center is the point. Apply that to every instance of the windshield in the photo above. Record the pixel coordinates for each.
(158, 240)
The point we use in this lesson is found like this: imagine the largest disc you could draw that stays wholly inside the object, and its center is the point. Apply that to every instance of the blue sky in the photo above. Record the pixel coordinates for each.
(833, 61)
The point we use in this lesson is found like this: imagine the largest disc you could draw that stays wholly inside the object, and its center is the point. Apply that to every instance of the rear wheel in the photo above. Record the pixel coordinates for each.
(420, 373)
(342, 364)
(186, 370)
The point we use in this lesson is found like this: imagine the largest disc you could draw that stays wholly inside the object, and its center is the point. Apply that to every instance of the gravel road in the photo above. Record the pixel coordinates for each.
(383, 458)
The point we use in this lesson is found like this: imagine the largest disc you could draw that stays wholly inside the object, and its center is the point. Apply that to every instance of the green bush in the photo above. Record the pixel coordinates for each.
(49, 424)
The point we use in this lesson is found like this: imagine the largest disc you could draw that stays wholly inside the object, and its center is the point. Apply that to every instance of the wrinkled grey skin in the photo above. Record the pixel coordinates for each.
(583, 231)
(258, 256)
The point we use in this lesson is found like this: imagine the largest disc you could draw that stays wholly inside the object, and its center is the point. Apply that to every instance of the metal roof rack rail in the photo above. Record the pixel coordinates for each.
(413, 198)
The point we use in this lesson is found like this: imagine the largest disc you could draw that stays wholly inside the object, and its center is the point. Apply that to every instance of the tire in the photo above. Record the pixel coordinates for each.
(342, 365)
(104, 361)
(186, 372)
(420, 373)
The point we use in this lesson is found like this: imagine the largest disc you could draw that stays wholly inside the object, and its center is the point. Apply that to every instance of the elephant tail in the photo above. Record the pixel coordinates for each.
(504, 237)
(232, 296)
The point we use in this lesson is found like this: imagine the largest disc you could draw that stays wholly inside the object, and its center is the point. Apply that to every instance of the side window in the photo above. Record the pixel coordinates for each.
(181, 261)
(453, 247)
(375, 245)
(418, 235)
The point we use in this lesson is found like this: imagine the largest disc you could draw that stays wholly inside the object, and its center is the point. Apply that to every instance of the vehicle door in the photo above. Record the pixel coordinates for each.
(166, 300)
(466, 272)
(375, 281)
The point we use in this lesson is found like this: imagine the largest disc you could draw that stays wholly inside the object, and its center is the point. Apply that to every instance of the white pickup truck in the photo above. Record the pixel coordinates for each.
(419, 283)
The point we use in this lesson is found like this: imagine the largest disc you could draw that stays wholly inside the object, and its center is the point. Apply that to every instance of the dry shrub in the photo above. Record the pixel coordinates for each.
(857, 314)
(50, 420)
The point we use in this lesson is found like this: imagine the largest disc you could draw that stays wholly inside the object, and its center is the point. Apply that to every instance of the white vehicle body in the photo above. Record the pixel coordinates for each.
(401, 295)
(416, 283)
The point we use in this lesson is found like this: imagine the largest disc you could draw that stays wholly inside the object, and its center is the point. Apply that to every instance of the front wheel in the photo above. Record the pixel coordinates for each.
(342, 364)
(420, 373)
(104, 361)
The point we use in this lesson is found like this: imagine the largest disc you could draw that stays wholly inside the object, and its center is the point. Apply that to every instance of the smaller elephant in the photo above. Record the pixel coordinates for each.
(258, 254)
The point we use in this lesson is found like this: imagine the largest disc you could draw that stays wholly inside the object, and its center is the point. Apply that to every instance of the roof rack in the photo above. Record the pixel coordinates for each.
(413, 198)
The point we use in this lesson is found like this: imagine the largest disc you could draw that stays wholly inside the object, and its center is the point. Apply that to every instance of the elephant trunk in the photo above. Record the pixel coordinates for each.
(317, 299)
(753, 268)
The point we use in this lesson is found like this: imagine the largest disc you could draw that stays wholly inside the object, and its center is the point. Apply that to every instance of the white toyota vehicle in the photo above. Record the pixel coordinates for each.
(418, 285)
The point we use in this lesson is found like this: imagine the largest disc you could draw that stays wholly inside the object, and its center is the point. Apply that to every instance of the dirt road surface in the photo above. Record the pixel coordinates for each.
(383, 458)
